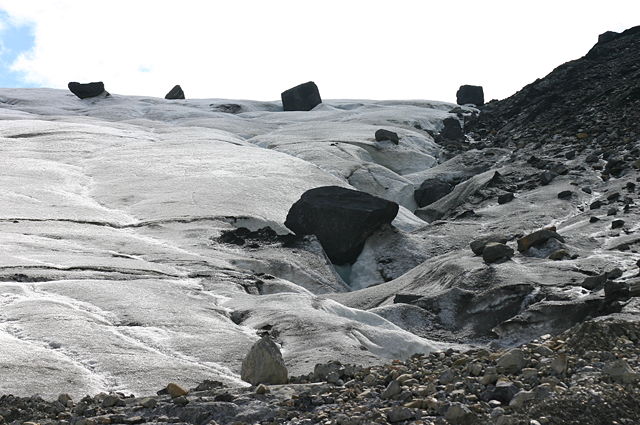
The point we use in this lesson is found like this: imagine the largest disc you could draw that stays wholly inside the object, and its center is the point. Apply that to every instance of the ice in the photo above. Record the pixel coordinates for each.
(112, 276)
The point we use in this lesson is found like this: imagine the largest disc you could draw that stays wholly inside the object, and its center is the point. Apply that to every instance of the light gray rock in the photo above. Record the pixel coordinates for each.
(393, 389)
(507, 420)
(264, 364)
(621, 372)
(521, 398)
(559, 364)
(459, 414)
(512, 362)
(399, 413)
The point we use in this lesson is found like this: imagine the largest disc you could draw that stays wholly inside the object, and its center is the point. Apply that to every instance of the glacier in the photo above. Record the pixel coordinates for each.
(112, 277)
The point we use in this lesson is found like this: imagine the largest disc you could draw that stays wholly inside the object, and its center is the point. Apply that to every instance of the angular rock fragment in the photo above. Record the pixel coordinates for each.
(616, 224)
(512, 361)
(594, 282)
(175, 93)
(264, 364)
(84, 91)
(227, 108)
(468, 94)
(392, 390)
(452, 129)
(175, 390)
(383, 134)
(621, 372)
(547, 177)
(495, 251)
(459, 414)
(477, 246)
(559, 254)
(458, 196)
(537, 238)
(521, 398)
(303, 97)
(322, 371)
(505, 198)
(400, 414)
(342, 219)
(595, 205)
(503, 391)
(430, 191)
(559, 364)
(565, 194)
(616, 166)
(614, 290)
(405, 298)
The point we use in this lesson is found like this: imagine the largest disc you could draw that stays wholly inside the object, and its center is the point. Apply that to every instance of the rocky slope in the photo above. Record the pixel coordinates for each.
(526, 254)
(585, 376)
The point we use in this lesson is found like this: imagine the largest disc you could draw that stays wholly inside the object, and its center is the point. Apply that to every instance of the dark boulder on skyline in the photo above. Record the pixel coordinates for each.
(84, 91)
(467, 94)
(303, 97)
(342, 219)
(175, 93)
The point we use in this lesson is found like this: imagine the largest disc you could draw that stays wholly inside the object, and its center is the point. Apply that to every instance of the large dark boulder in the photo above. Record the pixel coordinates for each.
(342, 219)
(304, 97)
(175, 93)
(470, 94)
(84, 91)
(430, 191)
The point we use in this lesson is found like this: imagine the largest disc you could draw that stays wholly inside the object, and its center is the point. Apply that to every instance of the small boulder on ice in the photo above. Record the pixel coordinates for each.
(175, 93)
(84, 91)
(430, 191)
(264, 364)
(467, 94)
(478, 245)
(303, 97)
(342, 219)
(538, 237)
(383, 134)
(495, 251)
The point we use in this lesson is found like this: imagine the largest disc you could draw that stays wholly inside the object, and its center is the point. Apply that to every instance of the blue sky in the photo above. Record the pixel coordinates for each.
(14, 40)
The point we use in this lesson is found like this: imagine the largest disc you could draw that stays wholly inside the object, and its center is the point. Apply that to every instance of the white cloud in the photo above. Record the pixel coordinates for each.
(351, 48)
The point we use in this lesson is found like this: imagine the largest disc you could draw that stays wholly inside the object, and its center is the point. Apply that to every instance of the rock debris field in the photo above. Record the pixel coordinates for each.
(313, 261)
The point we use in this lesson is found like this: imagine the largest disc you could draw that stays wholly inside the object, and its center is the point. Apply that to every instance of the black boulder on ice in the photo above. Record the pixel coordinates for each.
(175, 93)
(84, 91)
(470, 95)
(342, 219)
(304, 97)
